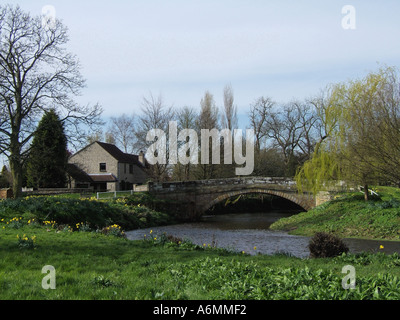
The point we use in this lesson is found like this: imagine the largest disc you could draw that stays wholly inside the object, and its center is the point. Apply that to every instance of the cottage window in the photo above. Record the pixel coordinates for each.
(103, 167)
(131, 168)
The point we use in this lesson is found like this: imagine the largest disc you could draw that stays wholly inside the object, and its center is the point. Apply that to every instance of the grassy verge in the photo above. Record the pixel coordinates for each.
(350, 216)
(93, 260)
(92, 265)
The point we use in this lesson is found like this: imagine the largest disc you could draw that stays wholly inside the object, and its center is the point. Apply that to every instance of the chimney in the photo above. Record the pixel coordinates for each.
(141, 158)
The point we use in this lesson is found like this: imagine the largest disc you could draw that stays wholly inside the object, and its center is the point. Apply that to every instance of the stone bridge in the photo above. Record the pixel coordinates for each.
(192, 198)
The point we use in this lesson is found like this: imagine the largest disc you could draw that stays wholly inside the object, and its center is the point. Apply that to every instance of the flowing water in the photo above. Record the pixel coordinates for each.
(249, 232)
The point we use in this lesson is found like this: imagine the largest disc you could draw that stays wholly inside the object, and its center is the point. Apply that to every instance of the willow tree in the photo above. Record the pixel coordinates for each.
(381, 91)
(37, 73)
(323, 167)
(361, 119)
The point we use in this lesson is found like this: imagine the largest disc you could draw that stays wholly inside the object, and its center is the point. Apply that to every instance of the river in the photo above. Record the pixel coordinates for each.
(249, 232)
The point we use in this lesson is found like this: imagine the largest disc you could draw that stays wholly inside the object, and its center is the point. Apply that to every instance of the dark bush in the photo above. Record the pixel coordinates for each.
(326, 245)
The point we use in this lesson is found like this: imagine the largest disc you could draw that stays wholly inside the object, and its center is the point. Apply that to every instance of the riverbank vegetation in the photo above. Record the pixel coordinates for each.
(349, 215)
(90, 264)
(134, 212)
(93, 259)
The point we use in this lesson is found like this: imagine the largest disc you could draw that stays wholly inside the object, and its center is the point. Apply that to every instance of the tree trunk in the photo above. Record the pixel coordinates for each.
(17, 177)
(16, 163)
(366, 194)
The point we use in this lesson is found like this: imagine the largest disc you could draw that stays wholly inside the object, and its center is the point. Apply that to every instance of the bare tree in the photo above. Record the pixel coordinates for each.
(94, 136)
(186, 118)
(36, 74)
(309, 136)
(155, 115)
(122, 128)
(258, 115)
(285, 130)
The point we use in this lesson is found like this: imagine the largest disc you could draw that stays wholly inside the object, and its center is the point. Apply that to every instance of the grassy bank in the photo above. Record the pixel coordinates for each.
(92, 259)
(93, 265)
(350, 216)
(130, 213)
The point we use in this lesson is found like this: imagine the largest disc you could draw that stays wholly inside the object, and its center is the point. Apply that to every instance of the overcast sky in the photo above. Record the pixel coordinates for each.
(181, 48)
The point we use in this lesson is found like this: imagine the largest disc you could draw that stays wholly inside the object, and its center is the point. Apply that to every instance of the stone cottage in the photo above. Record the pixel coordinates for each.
(104, 167)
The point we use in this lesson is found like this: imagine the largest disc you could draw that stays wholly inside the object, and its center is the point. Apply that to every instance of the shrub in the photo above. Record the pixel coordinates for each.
(69, 211)
(325, 245)
(25, 242)
(114, 230)
(15, 223)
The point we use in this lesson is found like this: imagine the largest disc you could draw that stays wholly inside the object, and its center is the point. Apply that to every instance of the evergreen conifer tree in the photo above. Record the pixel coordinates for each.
(4, 178)
(48, 156)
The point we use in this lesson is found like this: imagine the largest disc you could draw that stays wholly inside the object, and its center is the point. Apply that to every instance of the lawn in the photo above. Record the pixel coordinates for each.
(93, 265)
(93, 260)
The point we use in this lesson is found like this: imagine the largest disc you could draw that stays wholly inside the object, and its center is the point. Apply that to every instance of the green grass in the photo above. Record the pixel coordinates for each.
(350, 216)
(91, 265)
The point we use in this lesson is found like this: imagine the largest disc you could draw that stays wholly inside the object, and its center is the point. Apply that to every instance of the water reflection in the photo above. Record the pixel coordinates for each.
(249, 232)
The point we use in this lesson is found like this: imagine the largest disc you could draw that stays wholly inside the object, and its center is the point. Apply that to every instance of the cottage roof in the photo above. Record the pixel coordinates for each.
(115, 152)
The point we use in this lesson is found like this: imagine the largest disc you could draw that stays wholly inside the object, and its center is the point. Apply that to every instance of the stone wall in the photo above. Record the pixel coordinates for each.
(137, 176)
(324, 196)
(285, 183)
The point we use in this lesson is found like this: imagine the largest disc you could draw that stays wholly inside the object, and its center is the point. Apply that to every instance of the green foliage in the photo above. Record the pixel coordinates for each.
(103, 282)
(94, 214)
(177, 243)
(368, 259)
(15, 223)
(26, 242)
(360, 121)
(350, 216)
(318, 172)
(48, 155)
(5, 178)
(93, 266)
(246, 280)
(114, 230)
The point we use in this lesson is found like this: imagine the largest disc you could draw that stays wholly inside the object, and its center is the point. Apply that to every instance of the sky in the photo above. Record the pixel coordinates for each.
(179, 49)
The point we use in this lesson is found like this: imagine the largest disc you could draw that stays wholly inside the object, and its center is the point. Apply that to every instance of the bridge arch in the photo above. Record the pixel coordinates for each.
(191, 199)
(223, 197)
